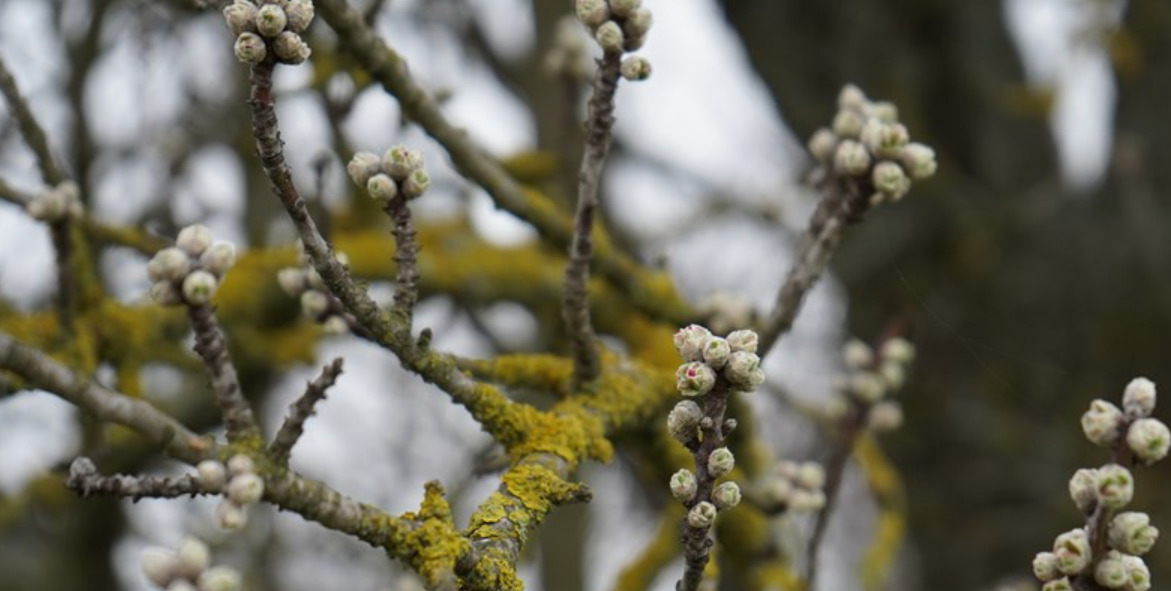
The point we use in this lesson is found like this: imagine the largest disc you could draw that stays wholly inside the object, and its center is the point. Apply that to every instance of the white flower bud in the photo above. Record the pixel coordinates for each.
(1138, 576)
(164, 293)
(810, 475)
(314, 303)
(726, 495)
(182, 585)
(199, 287)
(852, 98)
(212, 475)
(362, 166)
(270, 20)
(1045, 566)
(899, 350)
(400, 161)
(683, 486)
(884, 111)
(220, 578)
(1131, 532)
(1149, 439)
(314, 278)
(885, 416)
(847, 124)
(47, 206)
(160, 566)
(218, 258)
(194, 558)
(1111, 571)
(885, 140)
(241, 17)
(1115, 486)
(1139, 398)
(592, 12)
(609, 36)
(695, 379)
(691, 340)
(702, 515)
(806, 500)
(857, 355)
(776, 490)
(683, 420)
(637, 24)
(890, 180)
(335, 325)
(300, 14)
(382, 188)
(1083, 488)
(1101, 422)
(636, 68)
(416, 184)
(168, 264)
(250, 48)
(1072, 549)
(290, 48)
(743, 369)
(867, 386)
(1061, 584)
(292, 281)
(851, 158)
(716, 352)
(822, 145)
(720, 462)
(919, 160)
(743, 341)
(194, 239)
(245, 489)
(623, 8)
(240, 464)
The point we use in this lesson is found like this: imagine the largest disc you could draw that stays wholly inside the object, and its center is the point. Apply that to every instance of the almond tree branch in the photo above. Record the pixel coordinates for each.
(301, 410)
(575, 304)
(213, 349)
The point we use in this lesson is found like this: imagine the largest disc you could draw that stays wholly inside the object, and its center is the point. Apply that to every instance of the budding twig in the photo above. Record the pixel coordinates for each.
(85, 480)
(213, 349)
(301, 410)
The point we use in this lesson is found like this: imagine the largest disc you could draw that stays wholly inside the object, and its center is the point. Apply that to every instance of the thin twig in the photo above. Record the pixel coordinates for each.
(33, 134)
(301, 410)
(575, 304)
(85, 480)
(697, 541)
(213, 349)
(406, 258)
(835, 469)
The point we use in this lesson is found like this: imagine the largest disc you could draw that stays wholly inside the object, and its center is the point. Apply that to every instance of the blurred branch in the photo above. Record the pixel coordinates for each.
(86, 481)
(33, 134)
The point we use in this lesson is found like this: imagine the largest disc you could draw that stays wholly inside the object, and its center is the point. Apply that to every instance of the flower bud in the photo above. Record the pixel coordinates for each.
(362, 166)
(241, 17)
(335, 325)
(416, 184)
(743, 369)
(807, 500)
(919, 160)
(382, 188)
(695, 379)
(314, 278)
(1111, 571)
(743, 341)
(726, 495)
(212, 475)
(240, 464)
(857, 354)
(194, 239)
(230, 516)
(1083, 488)
(691, 340)
(592, 12)
(716, 352)
(622, 8)
(194, 558)
(867, 386)
(609, 36)
(890, 180)
(1072, 549)
(314, 303)
(199, 287)
(683, 486)
(1131, 532)
(683, 420)
(160, 566)
(1115, 486)
(1101, 422)
(885, 416)
(220, 578)
(164, 293)
(218, 258)
(271, 20)
(182, 585)
(852, 98)
(168, 264)
(1061, 584)
(1138, 576)
(1149, 439)
(720, 462)
(847, 124)
(400, 161)
(884, 140)
(851, 158)
(810, 475)
(292, 281)
(245, 489)
(702, 515)
(636, 68)
(290, 48)
(47, 206)
(776, 490)
(299, 14)
(822, 144)
(250, 48)
(892, 374)
(637, 24)
(1045, 566)
(899, 350)
(1139, 398)
(884, 111)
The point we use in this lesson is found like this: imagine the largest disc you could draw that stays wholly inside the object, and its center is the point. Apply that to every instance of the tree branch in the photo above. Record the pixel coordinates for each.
(213, 349)
(300, 411)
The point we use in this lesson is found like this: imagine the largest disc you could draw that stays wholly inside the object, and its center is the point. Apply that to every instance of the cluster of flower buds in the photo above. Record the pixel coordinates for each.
(189, 272)
(238, 482)
(1100, 492)
(794, 486)
(305, 284)
(619, 26)
(398, 173)
(704, 354)
(874, 376)
(270, 27)
(866, 141)
(188, 568)
(56, 203)
(569, 55)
